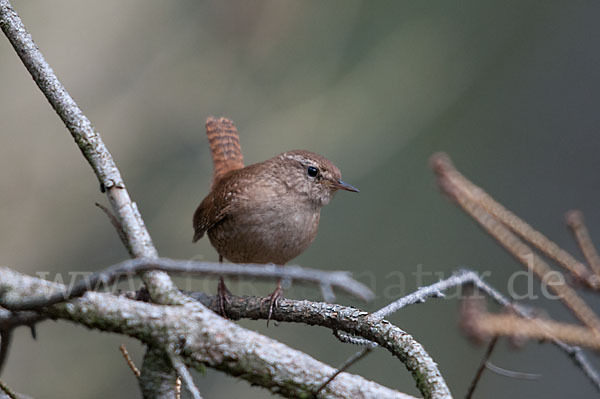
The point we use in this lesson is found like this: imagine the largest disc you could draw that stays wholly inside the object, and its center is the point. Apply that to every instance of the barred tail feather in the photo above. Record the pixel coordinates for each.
(224, 146)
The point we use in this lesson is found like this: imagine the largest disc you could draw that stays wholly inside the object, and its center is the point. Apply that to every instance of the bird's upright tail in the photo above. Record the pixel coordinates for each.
(224, 146)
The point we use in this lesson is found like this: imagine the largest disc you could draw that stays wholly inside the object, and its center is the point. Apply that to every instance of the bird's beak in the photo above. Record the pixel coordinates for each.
(345, 186)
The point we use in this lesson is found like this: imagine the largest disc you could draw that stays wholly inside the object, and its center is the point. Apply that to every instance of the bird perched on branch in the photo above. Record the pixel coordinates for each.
(267, 212)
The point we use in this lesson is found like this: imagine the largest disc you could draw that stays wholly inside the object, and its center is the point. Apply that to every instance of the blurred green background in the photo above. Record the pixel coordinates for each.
(510, 89)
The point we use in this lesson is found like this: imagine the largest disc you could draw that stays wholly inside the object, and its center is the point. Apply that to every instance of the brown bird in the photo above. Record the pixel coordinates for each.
(267, 212)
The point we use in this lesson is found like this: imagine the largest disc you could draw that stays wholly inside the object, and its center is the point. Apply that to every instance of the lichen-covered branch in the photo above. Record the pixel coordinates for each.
(353, 321)
(201, 338)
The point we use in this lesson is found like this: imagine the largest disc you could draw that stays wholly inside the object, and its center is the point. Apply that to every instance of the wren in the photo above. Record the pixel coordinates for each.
(267, 212)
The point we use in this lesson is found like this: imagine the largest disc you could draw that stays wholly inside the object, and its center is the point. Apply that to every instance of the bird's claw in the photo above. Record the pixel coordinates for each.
(273, 300)
(223, 295)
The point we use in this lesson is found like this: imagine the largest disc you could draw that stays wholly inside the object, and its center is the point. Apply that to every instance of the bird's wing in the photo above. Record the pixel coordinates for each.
(207, 215)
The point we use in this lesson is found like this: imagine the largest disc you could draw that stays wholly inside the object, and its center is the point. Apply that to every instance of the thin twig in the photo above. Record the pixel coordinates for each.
(576, 222)
(5, 341)
(481, 367)
(345, 366)
(460, 188)
(435, 290)
(129, 361)
(185, 375)
(7, 391)
(10, 393)
(11, 320)
(350, 339)
(511, 374)
(489, 324)
(580, 359)
(339, 279)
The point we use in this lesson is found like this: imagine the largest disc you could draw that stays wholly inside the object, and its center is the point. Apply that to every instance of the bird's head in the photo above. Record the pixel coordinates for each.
(312, 175)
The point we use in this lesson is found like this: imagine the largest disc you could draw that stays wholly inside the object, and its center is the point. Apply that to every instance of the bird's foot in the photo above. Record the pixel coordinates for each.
(223, 295)
(273, 300)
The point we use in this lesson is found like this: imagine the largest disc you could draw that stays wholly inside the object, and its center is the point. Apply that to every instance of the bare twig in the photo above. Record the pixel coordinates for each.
(183, 372)
(345, 366)
(11, 320)
(435, 290)
(129, 362)
(511, 374)
(576, 223)
(339, 279)
(460, 188)
(515, 326)
(580, 360)
(178, 387)
(350, 339)
(7, 391)
(481, 367)
(5, 341)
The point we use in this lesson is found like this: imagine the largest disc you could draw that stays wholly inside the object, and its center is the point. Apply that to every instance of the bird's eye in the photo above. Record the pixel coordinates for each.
(312, 171)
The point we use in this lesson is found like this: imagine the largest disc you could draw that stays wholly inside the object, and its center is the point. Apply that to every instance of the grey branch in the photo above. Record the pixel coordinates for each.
(200, 338)
(185, 376)
(339, 279)
(352, 321)
(437, 290)
(158, 377)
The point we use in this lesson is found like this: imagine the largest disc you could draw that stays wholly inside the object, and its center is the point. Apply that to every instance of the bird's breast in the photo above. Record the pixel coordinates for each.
(269, 233)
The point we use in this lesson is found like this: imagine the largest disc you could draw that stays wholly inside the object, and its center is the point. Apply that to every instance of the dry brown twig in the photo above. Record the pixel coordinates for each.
(459, 188)
(178, 388)
(129, 362)
(510, 231)
(576, 222)
(482, 366)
